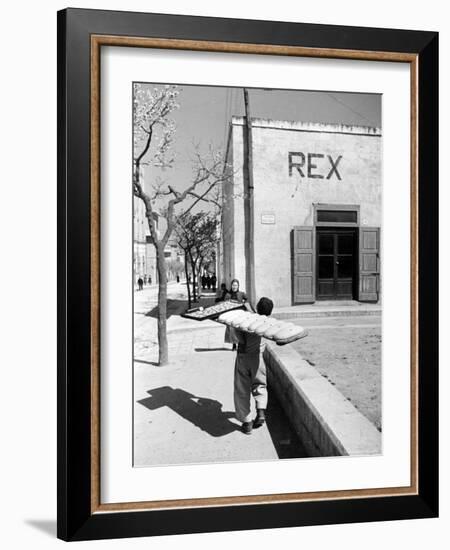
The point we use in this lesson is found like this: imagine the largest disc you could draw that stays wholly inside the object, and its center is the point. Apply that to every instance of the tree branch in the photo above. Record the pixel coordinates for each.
(202, 198)
(146, 148)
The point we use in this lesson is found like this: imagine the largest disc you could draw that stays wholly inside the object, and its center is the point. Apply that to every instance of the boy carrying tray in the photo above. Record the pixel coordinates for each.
(250, 374)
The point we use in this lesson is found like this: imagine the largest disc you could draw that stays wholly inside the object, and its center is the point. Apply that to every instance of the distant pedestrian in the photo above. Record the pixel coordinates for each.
(208, 282)
(149, 279)
(237, 296)
(203, 281)
(178, 278)
(250, 374)
(140, 283)
(213, 281)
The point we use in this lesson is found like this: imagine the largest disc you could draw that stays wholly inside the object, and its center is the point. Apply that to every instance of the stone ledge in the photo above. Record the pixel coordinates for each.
(297, 312)
(326, 422)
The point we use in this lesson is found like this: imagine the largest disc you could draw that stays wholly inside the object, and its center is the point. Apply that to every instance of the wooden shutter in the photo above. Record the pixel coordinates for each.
(303, 265)
(369, 265)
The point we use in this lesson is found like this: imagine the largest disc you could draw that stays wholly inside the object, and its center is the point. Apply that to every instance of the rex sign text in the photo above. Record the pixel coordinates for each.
(315, 165)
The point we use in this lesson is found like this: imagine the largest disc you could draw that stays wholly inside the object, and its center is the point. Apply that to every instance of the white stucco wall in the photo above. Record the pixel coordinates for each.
(287, 199)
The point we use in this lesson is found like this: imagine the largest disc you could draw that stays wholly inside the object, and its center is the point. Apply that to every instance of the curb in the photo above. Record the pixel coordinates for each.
(325, 421)
(308, 314)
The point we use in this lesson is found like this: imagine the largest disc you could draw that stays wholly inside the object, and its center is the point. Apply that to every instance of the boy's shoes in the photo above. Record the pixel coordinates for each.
(260, 419)
(247, 427)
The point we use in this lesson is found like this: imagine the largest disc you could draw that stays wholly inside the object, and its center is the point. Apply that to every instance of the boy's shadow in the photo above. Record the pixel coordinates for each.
(206, 414)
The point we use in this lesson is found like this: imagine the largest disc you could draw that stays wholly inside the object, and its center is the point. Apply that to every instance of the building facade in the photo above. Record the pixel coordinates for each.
(144, 251)
(312, 208)
(140, 232)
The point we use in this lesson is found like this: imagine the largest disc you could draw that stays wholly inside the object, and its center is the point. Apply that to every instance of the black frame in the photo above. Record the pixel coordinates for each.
(75, 520)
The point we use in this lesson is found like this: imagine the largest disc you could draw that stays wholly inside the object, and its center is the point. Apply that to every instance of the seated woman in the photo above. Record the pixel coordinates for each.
(238, 296)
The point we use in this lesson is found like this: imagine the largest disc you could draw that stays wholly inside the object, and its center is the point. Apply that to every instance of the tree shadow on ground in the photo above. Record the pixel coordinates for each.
(174, 307)
(206, 414)
(154, 363)
(212, 349)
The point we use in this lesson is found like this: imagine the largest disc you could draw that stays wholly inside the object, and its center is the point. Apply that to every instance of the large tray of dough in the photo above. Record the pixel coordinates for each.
(281, 332)
(212, 312)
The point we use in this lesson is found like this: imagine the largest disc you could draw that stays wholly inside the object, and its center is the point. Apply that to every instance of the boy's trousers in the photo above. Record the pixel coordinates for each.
(249, 379)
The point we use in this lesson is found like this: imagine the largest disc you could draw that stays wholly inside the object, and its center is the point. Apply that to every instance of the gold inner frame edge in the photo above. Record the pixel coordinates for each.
(97, 41)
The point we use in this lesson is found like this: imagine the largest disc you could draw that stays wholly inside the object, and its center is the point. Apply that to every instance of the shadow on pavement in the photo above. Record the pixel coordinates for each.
(206, 414)
(174, 307)
(212, 349)
(154, 363)
(285, 440)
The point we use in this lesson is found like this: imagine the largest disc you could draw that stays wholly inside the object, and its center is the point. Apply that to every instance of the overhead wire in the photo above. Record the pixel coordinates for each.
(354, 111)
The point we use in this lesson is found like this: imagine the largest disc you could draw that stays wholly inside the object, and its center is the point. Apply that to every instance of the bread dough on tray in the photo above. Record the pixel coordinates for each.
(281, 332)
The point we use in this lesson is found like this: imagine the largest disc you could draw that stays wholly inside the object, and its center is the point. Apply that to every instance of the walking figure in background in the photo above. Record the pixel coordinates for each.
(250, 374)
(140, 283)
(238, 296)
(213, 281)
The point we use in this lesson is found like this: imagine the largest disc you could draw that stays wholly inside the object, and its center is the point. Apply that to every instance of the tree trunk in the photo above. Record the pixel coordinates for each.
(187, 278)
(162, 307)
(194, 292)
(199, 275)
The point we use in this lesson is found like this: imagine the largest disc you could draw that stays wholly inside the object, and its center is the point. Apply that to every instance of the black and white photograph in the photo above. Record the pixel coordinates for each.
(257, 274)
(224, 292)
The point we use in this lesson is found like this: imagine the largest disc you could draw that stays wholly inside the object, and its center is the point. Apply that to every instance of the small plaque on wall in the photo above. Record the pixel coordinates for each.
(268, 218)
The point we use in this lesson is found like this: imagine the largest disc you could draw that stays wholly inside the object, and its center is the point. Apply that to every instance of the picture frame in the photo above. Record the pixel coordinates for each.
(81, 35)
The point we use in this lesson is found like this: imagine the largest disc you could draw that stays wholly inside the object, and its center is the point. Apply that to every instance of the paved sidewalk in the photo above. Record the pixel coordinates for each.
(184, 412)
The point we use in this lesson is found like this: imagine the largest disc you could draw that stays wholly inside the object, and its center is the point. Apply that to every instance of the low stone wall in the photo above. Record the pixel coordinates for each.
(325, 421)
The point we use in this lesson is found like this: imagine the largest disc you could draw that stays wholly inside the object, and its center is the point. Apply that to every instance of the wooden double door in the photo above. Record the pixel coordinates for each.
(337, 264)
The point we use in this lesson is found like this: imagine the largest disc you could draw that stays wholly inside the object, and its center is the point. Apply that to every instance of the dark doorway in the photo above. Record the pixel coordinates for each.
(337, 263)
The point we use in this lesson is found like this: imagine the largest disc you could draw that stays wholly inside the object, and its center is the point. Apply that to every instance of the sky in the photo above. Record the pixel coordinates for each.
(205, 112)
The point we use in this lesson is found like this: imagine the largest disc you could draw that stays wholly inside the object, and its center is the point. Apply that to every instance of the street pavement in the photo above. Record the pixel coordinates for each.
(347, 351)
(184, 412)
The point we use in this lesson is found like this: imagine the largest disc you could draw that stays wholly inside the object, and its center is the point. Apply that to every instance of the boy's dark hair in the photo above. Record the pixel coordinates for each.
(264, 306)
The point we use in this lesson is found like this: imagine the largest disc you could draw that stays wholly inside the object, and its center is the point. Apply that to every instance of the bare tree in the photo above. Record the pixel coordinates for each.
(197, 237)
(154, 132)
(186, 231)
(206, 247)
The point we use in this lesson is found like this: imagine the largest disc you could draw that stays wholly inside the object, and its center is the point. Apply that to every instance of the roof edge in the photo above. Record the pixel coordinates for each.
(308, 126)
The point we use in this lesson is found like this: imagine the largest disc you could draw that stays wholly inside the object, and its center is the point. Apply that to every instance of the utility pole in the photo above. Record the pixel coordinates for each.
(249, 204)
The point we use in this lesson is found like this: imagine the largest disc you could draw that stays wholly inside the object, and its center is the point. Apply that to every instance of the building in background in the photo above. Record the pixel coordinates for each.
(144, 251)
(315, 211)
(140, 233)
